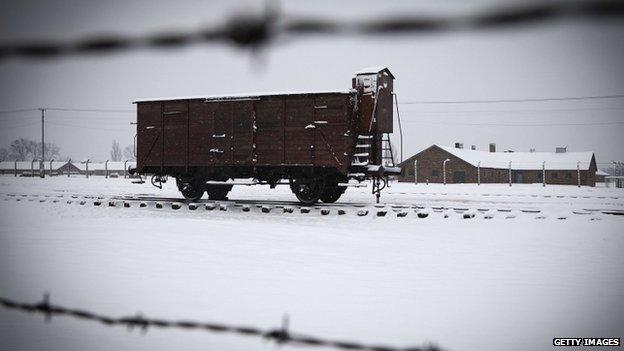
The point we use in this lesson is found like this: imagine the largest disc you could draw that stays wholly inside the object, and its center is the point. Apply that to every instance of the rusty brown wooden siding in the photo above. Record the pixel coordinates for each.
(258, 131)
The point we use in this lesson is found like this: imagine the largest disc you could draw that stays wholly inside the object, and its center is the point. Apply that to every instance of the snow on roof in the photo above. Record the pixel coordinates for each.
(26, 165)
(101, 166)
(243, 96)
(600, 172)
(373, 69)
(523, 160)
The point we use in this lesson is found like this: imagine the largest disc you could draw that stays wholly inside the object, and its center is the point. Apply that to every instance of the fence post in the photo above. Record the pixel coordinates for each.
(509, 173)
(543, 173)
(32, 167)
(578, 173)
(479, 173)
(444, 170)
(87, 168)
(106, 169)
(16, 168)
(69, 164)
(415, 172)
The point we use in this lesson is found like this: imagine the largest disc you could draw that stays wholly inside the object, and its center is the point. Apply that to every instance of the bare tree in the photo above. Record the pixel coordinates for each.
(20, 149)
(52, 151)
(115, 153)
(24, 149)
(128, 153)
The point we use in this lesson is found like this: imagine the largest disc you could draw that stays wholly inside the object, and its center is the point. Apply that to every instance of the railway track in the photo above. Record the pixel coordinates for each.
(359, 209)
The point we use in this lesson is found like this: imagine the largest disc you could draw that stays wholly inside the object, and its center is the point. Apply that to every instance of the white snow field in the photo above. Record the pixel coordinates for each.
(509, 278)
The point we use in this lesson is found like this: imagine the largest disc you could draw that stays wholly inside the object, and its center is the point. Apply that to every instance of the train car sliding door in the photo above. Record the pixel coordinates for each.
(299, 137)
(270, 132)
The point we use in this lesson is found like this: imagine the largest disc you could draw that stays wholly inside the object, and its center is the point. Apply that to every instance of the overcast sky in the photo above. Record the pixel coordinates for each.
(558, 59)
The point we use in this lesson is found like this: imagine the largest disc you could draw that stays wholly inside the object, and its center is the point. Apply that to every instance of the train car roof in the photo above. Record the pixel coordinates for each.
(374, 70)
(243, 96)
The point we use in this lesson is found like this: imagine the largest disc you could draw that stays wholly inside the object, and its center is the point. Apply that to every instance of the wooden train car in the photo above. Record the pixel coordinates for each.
(316, 141)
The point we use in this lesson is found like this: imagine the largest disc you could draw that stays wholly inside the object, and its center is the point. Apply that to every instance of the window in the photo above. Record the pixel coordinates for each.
(435, 173)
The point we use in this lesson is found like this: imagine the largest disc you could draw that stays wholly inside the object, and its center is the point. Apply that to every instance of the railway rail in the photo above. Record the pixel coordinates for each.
(419, 210)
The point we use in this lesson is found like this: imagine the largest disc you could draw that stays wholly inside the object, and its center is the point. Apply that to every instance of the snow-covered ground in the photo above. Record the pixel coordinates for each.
(514, 281)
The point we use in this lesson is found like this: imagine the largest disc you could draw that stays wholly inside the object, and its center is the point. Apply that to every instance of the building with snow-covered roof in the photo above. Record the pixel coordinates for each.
(33, 168)
(110, 168)
(475, 166)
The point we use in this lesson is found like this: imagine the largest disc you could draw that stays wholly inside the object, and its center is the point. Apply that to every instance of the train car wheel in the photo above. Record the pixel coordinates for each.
(331, 194)
(218, 192)
(307, 191)
(190, 188)
(192, 193)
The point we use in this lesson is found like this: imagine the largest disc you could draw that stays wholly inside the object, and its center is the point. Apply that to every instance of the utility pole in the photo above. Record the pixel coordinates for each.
(42, 142)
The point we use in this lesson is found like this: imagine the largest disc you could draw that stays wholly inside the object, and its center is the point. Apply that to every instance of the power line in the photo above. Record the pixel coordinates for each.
(18, 110)
(15, 126)
(279, 335)
(517, 125)
(451, 111)
(16, 113)
(88, 110)
(260, 30)
(569, 98)
(86, 127)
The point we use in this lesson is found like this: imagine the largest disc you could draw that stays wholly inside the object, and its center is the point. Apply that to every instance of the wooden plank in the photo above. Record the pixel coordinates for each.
(269, 133)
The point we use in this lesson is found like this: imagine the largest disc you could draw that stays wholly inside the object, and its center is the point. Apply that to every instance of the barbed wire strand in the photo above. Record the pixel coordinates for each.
(280, 335)
(255, 31)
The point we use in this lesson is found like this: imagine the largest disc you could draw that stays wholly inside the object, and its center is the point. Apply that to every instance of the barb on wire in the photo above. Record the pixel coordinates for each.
(280, 335)
(256, 31)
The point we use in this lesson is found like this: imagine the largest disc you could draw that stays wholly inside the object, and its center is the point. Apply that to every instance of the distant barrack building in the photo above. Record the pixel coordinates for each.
(55, 168)
(439, 164)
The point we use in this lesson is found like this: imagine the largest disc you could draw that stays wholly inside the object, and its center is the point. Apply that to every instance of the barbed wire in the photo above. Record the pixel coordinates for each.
(255, 31)
(279, 335)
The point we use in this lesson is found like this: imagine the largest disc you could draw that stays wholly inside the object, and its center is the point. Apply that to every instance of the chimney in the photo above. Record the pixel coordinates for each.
(473, 147)
(492, 147)
(459, 145)
(561, 149)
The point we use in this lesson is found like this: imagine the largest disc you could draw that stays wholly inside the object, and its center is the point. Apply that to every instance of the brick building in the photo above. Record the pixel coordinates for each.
(472, 166)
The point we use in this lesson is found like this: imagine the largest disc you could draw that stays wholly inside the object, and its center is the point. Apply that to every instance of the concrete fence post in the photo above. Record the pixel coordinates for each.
(509, 173)
(87, 167)
(578, 173)
(125, 168)
(16, 168)
(543, 173)
(444, 170)
(52, 160)
(479, 173)
(415, 172)
(106, 169)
